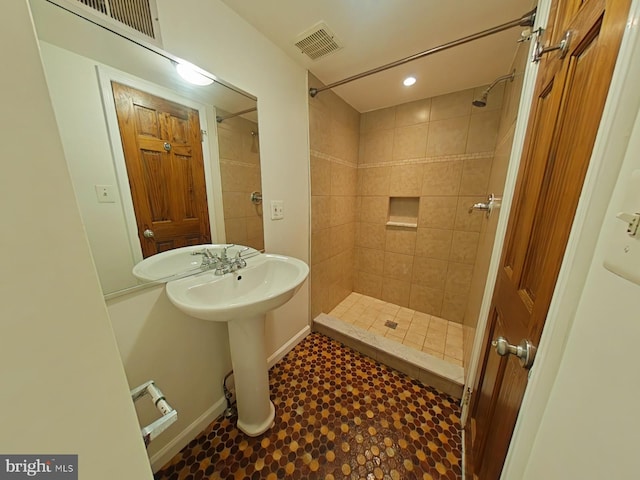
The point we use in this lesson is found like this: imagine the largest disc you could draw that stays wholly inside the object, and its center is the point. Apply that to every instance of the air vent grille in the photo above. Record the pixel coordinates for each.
(318, 41)
(135, 14)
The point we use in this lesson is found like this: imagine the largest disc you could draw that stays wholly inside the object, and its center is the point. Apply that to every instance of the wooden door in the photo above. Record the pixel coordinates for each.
(568, 102)
(163, 154)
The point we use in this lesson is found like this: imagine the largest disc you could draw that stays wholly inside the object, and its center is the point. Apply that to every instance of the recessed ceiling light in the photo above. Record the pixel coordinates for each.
(409, 81)
(191, 75)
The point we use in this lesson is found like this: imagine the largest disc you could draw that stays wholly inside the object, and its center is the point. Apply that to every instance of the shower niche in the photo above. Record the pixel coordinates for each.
(403, 212)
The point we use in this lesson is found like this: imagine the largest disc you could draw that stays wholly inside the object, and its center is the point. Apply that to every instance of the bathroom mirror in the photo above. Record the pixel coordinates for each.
(88, 67)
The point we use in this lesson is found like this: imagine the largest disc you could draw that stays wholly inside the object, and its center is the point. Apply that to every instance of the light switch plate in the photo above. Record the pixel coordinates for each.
(277, 209)
(623, 247)
(106, 193)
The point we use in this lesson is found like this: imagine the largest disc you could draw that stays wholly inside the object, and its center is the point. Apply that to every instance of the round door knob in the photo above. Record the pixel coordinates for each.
(148, 233)
(525, 351)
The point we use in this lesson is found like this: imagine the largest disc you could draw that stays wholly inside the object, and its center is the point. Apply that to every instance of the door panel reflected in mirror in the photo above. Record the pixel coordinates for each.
(81, 61)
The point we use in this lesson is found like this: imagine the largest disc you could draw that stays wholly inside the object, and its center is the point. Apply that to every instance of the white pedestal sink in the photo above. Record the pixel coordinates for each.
(242, 298)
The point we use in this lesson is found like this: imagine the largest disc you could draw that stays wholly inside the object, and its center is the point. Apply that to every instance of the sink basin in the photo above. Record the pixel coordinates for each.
(242, 299)
(267, 282)
(179, 262)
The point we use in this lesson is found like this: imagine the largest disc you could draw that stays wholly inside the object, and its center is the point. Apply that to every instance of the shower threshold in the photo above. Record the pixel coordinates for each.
(378, 330)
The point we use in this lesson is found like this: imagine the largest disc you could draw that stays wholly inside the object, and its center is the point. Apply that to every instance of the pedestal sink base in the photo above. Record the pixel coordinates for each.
(251, 375)
(255, 430)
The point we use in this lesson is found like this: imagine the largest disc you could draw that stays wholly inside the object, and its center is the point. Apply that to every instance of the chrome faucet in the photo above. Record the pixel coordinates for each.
(221, 263)
(227, 265)
(208, 259)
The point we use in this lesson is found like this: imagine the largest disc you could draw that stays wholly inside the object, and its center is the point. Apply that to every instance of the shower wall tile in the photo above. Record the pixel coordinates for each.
(374, 181)
(448, 136)
(229, 142)
(236, 228)
(382, 119)
(377, 146)
(426, 299)
(406, 180)
(464, 247)
(453, 307)
(234, 204)
(465, 221)
(320, 176)
(438, 212)
(320, 212)
(410, 141)
(344, 179)
(369, 260)
(320, 242)
(429, 272)
(458, 278)
(413, 113)
(475, 176)
(454, 104)
(442, 178)
(434, 243)
(371, 236)
(483, 132)
(374, 210)
(398, 266)
(240, 174)
(334, 129)
(400, 240)
(396, 291)
(342, 209)
(368, 284)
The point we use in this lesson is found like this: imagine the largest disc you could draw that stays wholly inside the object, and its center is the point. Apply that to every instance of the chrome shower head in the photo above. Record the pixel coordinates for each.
(482, 101)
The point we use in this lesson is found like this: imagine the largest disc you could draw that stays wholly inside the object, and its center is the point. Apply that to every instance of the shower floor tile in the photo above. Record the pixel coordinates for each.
(339, 415)
(420, 331)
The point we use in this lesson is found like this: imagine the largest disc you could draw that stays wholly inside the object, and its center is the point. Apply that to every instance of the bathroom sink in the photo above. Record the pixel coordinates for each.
(242, 298)
(267, 282)
(180, 262)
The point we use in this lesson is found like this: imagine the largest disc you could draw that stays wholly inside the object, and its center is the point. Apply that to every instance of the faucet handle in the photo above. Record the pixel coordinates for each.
(239, 252)
(223, 255)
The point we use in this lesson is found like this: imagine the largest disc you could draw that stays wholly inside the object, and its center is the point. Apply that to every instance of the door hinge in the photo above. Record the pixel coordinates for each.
(466, 397)
(202, 134)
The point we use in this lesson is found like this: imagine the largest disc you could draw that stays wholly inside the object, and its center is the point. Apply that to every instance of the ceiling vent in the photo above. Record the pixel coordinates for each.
(138, 18)
(318, 41)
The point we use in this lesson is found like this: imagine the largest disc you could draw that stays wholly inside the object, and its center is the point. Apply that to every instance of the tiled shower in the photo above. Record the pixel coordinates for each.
(391, 191)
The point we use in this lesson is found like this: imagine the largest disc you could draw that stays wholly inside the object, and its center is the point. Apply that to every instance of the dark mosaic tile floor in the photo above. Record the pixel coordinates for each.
(339, 415)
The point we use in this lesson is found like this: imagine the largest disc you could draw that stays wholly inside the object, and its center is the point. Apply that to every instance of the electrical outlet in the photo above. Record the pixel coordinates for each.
(277, 209)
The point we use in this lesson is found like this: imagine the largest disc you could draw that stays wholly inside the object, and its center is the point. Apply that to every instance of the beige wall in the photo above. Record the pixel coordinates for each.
(333, 127)
(63, 385)
(506, 131)
(240, 172)
(439, 151)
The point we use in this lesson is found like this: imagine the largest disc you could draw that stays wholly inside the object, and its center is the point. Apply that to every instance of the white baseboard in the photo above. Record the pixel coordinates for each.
(287, 347)
(172, 448)
(167, 452)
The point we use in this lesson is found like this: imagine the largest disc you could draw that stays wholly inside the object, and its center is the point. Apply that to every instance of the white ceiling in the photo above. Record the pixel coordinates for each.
(377, 32)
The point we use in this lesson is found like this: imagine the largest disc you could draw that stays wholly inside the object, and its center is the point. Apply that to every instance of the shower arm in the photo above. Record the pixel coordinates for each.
(503, 78)
(527, 20)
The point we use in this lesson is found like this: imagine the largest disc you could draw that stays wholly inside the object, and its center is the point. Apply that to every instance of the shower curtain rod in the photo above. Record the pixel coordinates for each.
(527, 20)
(220, 119)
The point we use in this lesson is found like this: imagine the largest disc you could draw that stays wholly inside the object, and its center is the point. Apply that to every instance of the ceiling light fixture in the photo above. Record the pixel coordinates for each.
(409, 81)
(192, 75)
